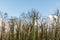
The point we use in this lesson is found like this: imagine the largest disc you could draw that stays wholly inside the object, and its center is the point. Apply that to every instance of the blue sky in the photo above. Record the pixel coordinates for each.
(16, 7)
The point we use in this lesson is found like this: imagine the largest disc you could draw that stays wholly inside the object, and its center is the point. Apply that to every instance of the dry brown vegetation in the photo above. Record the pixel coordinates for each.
(29, 28)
